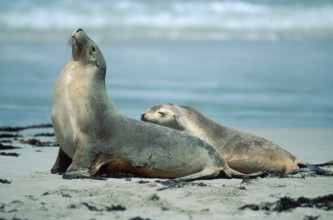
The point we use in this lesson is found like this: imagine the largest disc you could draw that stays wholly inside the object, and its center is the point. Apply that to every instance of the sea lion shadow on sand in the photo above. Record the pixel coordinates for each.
(243, 152)
(92, 134)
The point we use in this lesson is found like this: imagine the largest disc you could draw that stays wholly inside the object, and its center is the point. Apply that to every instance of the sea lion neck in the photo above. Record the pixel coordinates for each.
(194, 122)
(78, 42)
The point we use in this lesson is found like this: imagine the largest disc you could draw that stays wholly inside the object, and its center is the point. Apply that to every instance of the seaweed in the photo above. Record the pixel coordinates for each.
(286, 204)
(7, 147)
(5, 181)
(6, 135)
(20, 128)
(169, 184)
(44, 135)
(106, 208)
(38, 143)
(9, 154)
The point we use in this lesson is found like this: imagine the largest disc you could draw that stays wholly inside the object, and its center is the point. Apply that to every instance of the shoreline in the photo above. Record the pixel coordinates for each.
(32, 192)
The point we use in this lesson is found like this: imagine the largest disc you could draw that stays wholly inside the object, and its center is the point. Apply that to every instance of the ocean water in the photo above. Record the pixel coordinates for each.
(172, 19)
(243, 63)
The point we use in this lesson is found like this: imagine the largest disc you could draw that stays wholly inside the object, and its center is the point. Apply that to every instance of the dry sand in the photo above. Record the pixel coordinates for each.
(35, 193)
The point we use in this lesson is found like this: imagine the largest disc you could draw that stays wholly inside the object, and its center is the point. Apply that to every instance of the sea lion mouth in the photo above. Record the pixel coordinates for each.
(78, 41)
(149, 121)
(144, 118)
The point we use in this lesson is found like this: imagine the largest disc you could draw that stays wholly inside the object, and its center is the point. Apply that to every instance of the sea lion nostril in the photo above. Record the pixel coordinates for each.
(143, 117)
(76, 31)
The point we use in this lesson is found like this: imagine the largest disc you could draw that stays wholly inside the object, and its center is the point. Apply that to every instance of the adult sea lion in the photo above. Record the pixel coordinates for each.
(243, 152)
(92, 133)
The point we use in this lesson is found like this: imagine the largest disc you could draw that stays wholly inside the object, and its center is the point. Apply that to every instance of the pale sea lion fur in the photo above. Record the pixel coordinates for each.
(243, 152)
(92, 133)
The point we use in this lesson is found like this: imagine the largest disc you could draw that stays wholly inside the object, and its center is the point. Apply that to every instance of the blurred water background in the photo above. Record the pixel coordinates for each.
(245, 63)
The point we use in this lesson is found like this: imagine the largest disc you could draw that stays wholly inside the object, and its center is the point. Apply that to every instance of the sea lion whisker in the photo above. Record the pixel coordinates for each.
(69, 42)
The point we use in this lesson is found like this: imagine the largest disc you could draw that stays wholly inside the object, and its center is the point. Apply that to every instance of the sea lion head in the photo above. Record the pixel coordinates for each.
(85, 50)
(165, 114)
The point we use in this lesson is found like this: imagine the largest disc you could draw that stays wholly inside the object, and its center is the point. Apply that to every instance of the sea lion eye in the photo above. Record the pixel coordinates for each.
(161, 113)
(93, 49)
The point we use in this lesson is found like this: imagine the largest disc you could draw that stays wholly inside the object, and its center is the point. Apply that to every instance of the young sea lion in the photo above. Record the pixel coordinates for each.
(243, 152)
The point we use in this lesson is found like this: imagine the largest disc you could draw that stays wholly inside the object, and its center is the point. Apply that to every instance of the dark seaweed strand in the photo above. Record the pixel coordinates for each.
(7, 147)
(20, 128)
(286, 203)
(9, 154)
(5, 181)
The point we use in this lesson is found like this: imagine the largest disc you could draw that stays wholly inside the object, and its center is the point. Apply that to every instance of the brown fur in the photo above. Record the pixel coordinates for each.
(243, 152)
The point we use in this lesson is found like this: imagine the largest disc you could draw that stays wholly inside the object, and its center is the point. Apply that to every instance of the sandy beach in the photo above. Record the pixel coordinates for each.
(264, 67)
(29, 191)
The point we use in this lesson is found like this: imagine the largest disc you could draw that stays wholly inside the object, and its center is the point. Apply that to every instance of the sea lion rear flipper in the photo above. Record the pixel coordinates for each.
(304, 167)
(328, 163)
(319, 171)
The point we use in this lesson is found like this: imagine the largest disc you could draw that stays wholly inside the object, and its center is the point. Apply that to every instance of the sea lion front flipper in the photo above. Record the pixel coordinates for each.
(62, 162)
(79, 168)
(207, 173)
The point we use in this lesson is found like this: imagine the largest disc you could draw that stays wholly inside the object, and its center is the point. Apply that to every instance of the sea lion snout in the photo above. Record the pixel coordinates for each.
(146, 117)
(76, 31)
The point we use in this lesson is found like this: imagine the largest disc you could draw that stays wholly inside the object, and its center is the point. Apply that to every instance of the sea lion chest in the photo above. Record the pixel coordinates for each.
(70, 111)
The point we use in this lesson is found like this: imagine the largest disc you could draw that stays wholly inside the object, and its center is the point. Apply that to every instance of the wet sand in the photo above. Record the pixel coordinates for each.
(29, 191)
